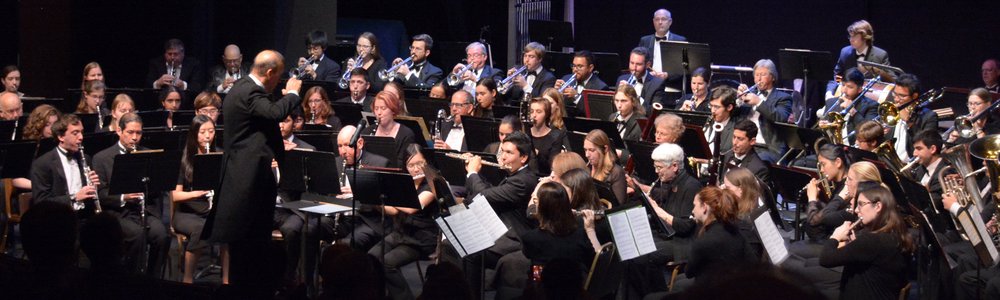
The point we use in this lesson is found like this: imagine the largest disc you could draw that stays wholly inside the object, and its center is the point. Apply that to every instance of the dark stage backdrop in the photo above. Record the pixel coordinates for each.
(943, 42)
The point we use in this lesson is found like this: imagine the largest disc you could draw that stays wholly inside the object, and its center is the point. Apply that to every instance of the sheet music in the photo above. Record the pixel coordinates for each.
(488, 217)
(641, 232)
(622, 233)
(448, 236)
(326, 209)
(771, 238)
(980, 233)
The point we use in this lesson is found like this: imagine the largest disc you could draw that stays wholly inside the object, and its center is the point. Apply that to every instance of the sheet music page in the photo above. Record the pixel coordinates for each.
(981, 229)
(326, 209)
(469, 231)
(488, 217)
(641, 231)
(622, 233)
(771, 238)
(451, 237)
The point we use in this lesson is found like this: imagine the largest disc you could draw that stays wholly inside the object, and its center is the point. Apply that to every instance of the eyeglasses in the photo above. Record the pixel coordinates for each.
(208, 111)
(578, 67)
(863, 203)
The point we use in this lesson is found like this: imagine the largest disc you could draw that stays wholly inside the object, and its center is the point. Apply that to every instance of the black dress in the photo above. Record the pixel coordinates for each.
(547, 147)
(874, 265)
(541, 246)
(189, 216)
(720, 247)
(404, 137)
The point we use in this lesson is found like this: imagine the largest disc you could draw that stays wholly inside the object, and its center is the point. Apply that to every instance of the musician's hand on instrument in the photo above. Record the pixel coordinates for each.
(350, 64)
(823, 123)
(137, 196)
(662, 214)
(94, 179)
(588, 218)
(474, 164)
(403, 70)
(812, 190)
(904, 114)
(228, 82)
(687, 105)
(991, 226)
(751, 99)
(86, 193)
(440, 144)
(845, 102)
(468, 76)
(164, 80)
(274, 164)
(520, 81)
(559, 84)
(842, 233)
(948, 199)
(458, 67)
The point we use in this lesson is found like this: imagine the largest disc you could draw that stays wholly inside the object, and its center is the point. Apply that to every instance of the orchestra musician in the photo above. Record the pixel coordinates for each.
(648, 87)
(321, 68)
(768, 106)
(535, 78)
(93, 95)
(131, 207)
(11, 78)
(420, 73)
(290, 222)
(547, 141)
(725, 115)
(11, 107)
(869, 135)
(190, 207)
(991, 75)
(386, 107)
(475, 54)
(662, 19)
(122, 105)
(40, 122)
(744, 154)
(452, 134)
(832, 165)
(669, 128)
(372, 61)
(317, 109)
(911, 122)
(92, 71)
(486, 97)
(58, 174)
(559, 109)
(175, 69)
(866, 109)
(208, 104)
(369, 231)
(876, 256)
(979, 99)
(583, 77)
(927, 147)
(601, 158)
(359, 86)
(699, 97)
(439, 92)
(861, 38)
(231, 69)
(415, 233)
(170, 101)
(628, 114)
(561, 233)
(508, 125)
(397, 89)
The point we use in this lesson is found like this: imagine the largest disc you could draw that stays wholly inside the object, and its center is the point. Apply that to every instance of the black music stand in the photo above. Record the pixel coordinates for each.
(414, 124)
(480, 132)
(154, 119)
(500, 111)
(695, 118)
(147, 172)
(427, 108)
(799, 139)
(9, 130)
(95, 142)
(89, 122)
(642, 161)
(918, 196)
(183, 118)
(349, 113)
(805, 64)
(206, 175)
(694, 143)
(164, 139)
(383, 146)
(310, 171)
(554, 34)
(317, 128)
(576, 139)
(28, 104)
(323, 141)
(604, 192)
(45, 145)
(585, 125)
(682, 57)
(596, 104)
(791, 188)
(16, 158)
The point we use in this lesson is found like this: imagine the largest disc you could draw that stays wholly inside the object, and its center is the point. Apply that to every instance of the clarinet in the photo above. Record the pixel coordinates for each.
(100, 118)
(86, 176)
(13, 134)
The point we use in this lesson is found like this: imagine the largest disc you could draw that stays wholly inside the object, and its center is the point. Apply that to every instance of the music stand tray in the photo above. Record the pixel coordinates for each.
(371, 189)
(310, 171)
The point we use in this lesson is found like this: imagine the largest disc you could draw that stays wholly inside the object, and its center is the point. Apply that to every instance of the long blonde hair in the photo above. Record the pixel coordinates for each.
(750, 189)
(558, 108)
(602, 167)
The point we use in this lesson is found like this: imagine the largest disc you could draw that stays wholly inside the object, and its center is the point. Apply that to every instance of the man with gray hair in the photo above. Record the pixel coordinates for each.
(11, 106)
(231, 69)
(175, 69)
(420, 73)
(475, 55)
(767, 107)
(662, 19)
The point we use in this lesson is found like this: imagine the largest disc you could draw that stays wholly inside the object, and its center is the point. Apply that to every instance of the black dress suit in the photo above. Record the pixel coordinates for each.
(751, 161)
(776, 108)
(366, 103)
(487, 71)
(865, 110)
(510, 198)
(130, 215)
(848, 59)
(370, 230)
(933, 186)
(652, 91)
(446, 129)
(543, 80)
(593, 83)
(632, 129)
(48, 179)
(429, 76)
(219, 76)
(925, 119)
(191, 72)
(725, 137)
(326, 70)
(376, 83)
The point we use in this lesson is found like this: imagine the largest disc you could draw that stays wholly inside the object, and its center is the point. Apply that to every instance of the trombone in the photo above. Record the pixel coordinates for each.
(964, 124)
(888, 112)
(387, 74)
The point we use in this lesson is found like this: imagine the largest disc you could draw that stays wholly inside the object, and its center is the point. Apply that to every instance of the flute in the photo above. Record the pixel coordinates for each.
(487, 163)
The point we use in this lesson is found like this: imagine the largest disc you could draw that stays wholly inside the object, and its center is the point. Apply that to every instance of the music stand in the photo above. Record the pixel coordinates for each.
(694, 143)
(16, 158)
(9, 130)
(154, 119)
(695, 118)
(480, 132)
(682, 57)
(145, 172)
(805, 64)
(427, 108)
(164, 139)
(790, 187)
(310, 171)
(383, 146)
(46, 145)
(642, 160)
(183, 118)
(554, 34)
(89, 122)
(95, 142)
(349, 113)
(585, 125)
(206, 175)
(918, 196)
(323, 141)
(501, 111)
(604, 192)
(597, 104)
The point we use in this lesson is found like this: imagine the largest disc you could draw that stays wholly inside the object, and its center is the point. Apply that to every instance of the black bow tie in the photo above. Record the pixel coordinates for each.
(660, 38)
(416, 68)
(763, 94)
(531, 73)
(736, 161)
(859, 55)
(71, 155)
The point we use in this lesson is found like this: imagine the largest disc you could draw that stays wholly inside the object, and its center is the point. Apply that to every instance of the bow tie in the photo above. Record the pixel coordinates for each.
(763, 94)
(416, 68)
(531, 73)
(71, 155)
(859, 55)
(736, 161)
(664, 38)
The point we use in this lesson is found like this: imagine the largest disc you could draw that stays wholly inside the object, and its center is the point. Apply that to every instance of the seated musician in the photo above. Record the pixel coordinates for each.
(628, 114)
(971, 279)
(832, 165)
(321, 68)
(170, 101)
(287, 129)
(367, 232)
(870, 135)
(927, 147)
(208, 104)
(93, 96)
(359, 84)
(122, 105)
(397, 89)
(547, 141)
(911, 122)
(559, 109)
(866, 109)
(289, 222)
(420, 73)
(648, 87)
(768, 106)
(231, 69)
(57, 175)
(861, 36)
(875, 256)
(583, 78)
(486, 98)
(669, 128)
(601, 158)
(439, 92)
(699, 97)
(744, 153)
(991, 75)
(561, 234)
(386, 107)
(190, 207)
(475, 54)
(535, 78)
(318, 110)
(11, 106)
(508, 125)
(92, 71)
(452, 134)
(979, 99)
(725, 115)
(175, 69)
(40, 122)
(371, 59)
(749, 196)
(415, 234)
(11, 78)
(130, 206)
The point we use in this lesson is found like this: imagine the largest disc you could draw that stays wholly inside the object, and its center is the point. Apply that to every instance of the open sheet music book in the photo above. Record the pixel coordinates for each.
(474, 229)
(631, 231)
(774, 244)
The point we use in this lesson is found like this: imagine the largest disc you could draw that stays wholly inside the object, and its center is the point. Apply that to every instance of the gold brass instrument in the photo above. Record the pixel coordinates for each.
(888, 113)
(887, 153)
(988, 149)
(485, 163)
(456, 78)
(834, 129)
(958, 156)
(963, 124)
(504, 85)
(389, 73)
(826, 186)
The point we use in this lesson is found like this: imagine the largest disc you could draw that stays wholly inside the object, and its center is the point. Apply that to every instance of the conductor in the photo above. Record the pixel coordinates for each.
(244, 208)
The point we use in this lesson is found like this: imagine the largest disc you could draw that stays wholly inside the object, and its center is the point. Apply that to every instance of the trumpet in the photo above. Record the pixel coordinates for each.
(631, 80)
(387, 74)
(504, 85)
(568, 83)
(456, 78)
(752, 89)
(345, 80)
(297, 72)
(487, 163)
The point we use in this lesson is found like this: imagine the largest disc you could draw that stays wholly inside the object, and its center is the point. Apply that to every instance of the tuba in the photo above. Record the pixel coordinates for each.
(887, 154)
(958, 157)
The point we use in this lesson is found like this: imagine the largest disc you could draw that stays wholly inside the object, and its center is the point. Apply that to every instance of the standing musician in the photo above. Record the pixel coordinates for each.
(866, 109)
(910, 122)
(535, 78)
(648, 87)
(601, 158)
(875, 257)
(130, 206)
(662, 20)
(372, 61)
(420, 74)
(628, 114)
(243, 211)
(744, 154)
(175, 69)
(583, 77)
(452, 134)
(58, 174)
(547, 141)
(768, 106)
(475, 55)
(321, 68)
(369, 231)
(386, 107)
(699, 97)
(359, 86)
(92, 71)
(861, 37)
